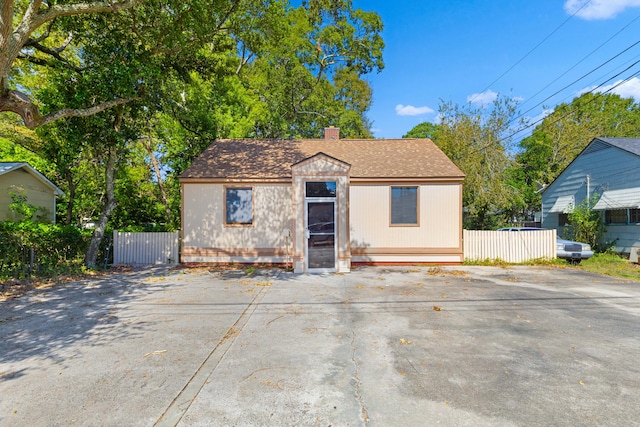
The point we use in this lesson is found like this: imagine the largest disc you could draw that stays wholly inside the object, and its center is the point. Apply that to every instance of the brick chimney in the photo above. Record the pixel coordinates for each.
(331, 133)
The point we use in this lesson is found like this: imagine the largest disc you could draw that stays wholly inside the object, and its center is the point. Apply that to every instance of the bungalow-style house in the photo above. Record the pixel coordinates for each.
(322, 204)
(610, 169)
(22, 179)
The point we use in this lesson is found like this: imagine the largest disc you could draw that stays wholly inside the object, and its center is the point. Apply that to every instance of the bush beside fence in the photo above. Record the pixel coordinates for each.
(29, 248)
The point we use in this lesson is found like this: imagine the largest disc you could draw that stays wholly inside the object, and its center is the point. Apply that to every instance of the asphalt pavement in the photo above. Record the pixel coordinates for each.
(401, 346)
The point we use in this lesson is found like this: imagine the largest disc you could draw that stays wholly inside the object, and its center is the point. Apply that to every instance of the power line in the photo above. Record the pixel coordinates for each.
(574, 82)
(577, 107)
(530, 51)
(572, 67)
(593, 82)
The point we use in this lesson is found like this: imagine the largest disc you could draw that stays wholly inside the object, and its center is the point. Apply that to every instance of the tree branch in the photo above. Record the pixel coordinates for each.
(13, 40)
(20, 104)
(40, 37)
(58, 10)
(55, 53)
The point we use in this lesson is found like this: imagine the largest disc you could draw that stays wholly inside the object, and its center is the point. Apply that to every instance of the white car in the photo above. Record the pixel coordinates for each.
(565, 249)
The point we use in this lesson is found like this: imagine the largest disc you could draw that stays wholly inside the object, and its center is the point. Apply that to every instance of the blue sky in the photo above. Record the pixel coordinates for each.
(455, 50)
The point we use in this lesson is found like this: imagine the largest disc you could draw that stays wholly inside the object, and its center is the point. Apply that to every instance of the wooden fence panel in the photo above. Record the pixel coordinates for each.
(145, 248)
(509, 246)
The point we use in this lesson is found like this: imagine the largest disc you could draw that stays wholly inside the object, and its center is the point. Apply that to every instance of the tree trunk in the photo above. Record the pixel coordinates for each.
(148, 145)
(110, 204)
(72, 196)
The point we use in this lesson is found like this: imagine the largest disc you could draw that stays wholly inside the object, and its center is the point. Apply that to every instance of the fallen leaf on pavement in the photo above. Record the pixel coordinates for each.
(154, 353)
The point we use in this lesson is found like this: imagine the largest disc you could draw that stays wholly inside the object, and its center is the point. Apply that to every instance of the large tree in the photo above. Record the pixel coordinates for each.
(560, 137)
(26, 28)
(177, 74)
(477, 140)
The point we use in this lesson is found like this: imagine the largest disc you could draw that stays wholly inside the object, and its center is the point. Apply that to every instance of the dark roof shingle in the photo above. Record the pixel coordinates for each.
(632, 145)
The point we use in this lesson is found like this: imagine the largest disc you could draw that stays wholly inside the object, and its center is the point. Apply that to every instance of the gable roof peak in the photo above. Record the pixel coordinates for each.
(631, 145)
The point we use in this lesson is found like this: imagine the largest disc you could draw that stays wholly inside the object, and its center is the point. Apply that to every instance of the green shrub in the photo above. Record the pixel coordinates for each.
(586, 225)
(29, 248)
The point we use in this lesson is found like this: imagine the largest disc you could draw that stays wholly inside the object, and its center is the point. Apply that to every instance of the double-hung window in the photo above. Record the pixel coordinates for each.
(404, 206)
(238, 205)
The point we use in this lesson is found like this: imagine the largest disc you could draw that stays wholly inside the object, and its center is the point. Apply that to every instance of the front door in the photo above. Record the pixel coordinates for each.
(321, 236)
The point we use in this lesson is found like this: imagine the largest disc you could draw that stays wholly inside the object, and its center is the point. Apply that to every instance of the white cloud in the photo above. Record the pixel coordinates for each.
(536, 119)
(484, 98)
(410, 110)
(628, 89)
(598, 9)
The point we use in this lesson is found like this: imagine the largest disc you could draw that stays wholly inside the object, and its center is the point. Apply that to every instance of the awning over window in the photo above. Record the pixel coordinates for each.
(563, 204)
(629, 198)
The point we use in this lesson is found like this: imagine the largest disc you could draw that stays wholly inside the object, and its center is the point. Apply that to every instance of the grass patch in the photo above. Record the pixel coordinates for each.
(502, 263)
(607, 263)
(611, 265)
(489, 262)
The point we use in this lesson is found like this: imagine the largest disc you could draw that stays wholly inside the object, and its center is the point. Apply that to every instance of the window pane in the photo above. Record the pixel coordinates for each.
(320, 189)
(239, 206)
(634, 216)
(563, 219)
(618, 216)
(404, 205)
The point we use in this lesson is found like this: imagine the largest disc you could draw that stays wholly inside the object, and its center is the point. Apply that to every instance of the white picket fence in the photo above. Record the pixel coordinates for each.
(509, 246)
(145, 248)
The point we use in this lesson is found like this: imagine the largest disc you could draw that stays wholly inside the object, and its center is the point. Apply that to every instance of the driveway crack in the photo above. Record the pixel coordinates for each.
(179, 406)
(356, 377)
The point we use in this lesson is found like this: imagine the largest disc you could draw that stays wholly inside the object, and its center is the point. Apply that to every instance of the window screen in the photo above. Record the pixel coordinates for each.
(404, 205)
(239, 206)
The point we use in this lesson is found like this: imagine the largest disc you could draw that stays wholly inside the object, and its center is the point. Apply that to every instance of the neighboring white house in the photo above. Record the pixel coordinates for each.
(609, 168)
(21, 178)
(322, 204)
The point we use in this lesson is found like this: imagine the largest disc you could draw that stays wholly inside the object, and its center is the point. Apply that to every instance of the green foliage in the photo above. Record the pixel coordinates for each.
(192, 71)
(56, 249)
(586, 224)
(560, 137)
(10, 152)
(611, 265)
(474, 139)
(504, 182)
(423, 130)
(19, 207)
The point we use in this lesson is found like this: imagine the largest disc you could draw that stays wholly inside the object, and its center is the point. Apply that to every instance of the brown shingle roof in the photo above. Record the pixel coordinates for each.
(369, 158)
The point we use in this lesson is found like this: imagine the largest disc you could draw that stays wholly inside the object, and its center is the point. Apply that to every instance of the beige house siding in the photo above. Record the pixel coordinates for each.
(437, 238)
(359, 176)
(206, 238)
(38, 194)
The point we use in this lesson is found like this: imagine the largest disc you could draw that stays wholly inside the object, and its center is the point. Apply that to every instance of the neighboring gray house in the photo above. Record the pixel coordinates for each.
(21, 178)
(609, 168)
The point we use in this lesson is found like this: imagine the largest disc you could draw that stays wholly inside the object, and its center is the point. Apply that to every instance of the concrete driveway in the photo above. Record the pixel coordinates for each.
(451, 346)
